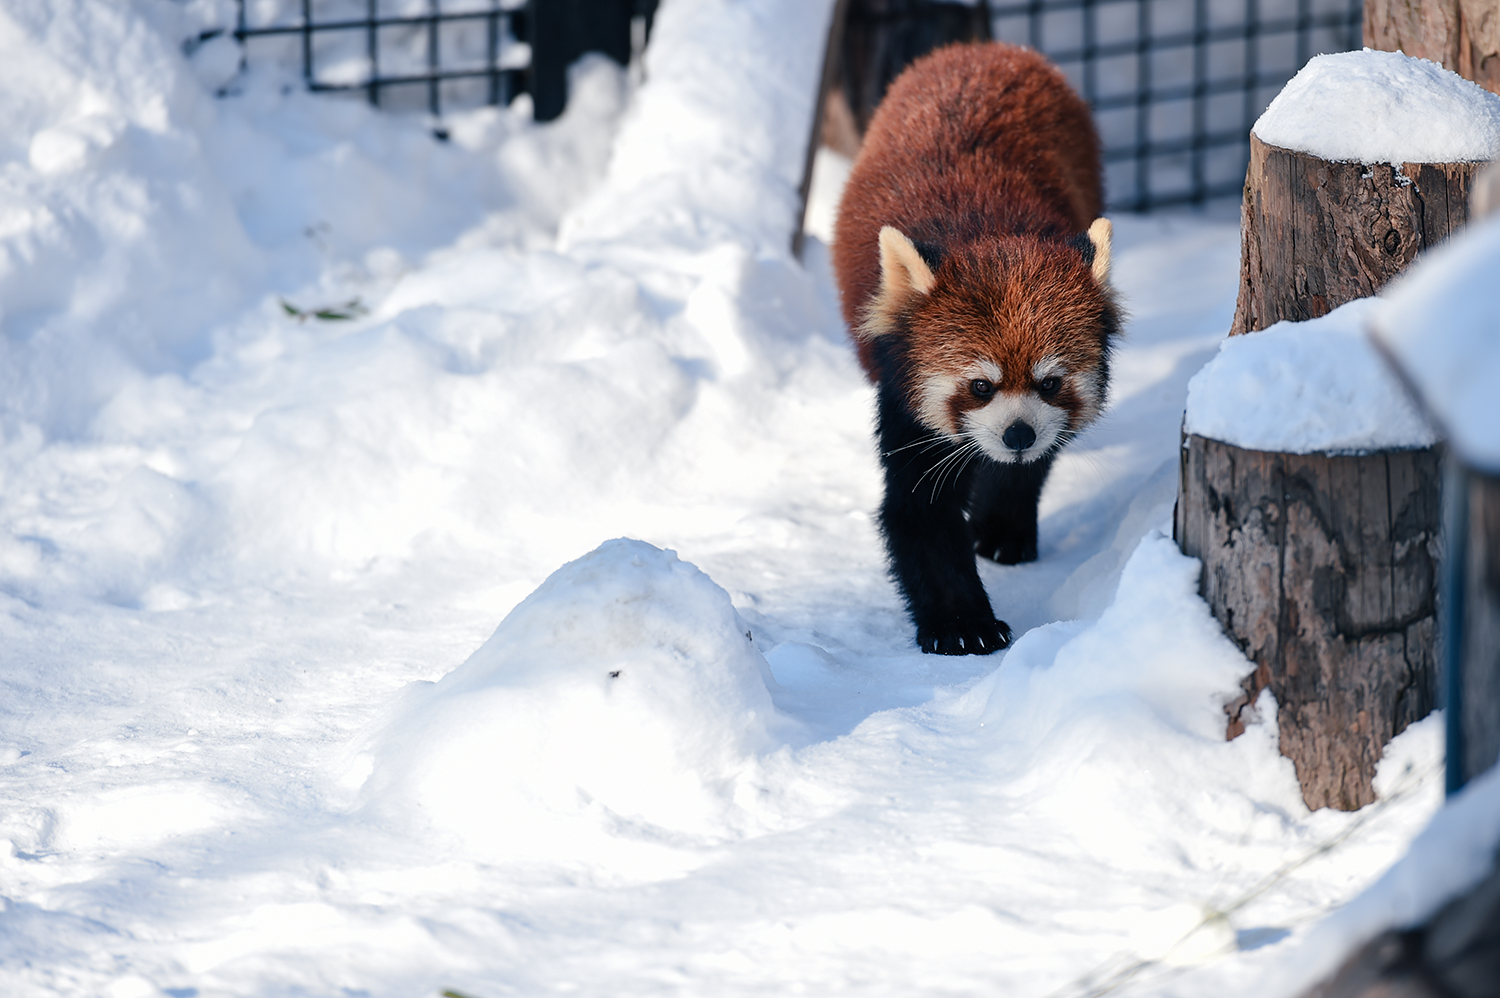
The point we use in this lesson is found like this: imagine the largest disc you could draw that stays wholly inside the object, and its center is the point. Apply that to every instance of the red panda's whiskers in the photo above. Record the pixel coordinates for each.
(926, 443)
(952, 462)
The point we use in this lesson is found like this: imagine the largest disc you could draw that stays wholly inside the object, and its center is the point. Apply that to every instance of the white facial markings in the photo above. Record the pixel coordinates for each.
(933, 394)
(989, 371)
(986, 426)
(1088, 386)
(1048, 367)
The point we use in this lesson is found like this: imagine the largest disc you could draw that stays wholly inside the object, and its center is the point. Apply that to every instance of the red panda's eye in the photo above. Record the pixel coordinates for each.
(981, 388)
(1048, 386)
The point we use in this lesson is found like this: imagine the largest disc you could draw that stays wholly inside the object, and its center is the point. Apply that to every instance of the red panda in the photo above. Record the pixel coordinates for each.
(973, 270)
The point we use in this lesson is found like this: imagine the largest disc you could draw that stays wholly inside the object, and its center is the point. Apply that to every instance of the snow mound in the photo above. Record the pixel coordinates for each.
(1382, 107)
(1441, 323)
(624, 690)
(1305, 388)
(1451, 856)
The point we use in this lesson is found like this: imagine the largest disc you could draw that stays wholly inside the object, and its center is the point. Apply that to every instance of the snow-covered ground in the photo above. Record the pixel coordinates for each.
(253, 737)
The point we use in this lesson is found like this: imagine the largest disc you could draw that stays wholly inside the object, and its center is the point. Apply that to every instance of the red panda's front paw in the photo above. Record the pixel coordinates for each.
(967, 637)
(1008, 551)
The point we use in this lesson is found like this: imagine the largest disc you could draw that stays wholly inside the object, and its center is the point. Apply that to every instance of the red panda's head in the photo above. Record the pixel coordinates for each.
(1005, 341)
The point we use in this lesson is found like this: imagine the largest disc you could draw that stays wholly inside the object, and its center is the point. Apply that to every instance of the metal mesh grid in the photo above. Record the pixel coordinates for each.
(1177, 84)
(404, 54)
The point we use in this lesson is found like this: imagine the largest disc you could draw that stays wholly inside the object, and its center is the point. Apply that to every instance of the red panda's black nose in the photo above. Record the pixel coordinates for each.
(1019, 436)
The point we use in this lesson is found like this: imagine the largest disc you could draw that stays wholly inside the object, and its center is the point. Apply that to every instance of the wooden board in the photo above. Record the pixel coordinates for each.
(1481, 629)
(1322, 569)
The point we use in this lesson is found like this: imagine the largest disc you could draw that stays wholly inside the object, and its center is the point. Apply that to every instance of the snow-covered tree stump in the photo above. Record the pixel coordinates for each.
(1364, 160)
(1311, 492)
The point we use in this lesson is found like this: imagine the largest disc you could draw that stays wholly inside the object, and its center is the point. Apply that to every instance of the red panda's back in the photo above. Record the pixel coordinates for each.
(971, 140)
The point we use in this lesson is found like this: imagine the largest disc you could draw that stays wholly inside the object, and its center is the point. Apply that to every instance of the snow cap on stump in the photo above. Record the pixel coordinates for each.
(1382, 107)
(1440, 324)
(1313, 387)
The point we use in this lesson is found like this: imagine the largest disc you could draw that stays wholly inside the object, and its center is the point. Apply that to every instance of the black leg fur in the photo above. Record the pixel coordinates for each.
(1002, 509)
(930, 543)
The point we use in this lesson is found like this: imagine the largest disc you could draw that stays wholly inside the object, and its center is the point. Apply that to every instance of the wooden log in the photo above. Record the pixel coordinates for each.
(869, 43)
(1461, 35)
(1478, 699)
(1322, 569)
(883, 37)
(1315, 234)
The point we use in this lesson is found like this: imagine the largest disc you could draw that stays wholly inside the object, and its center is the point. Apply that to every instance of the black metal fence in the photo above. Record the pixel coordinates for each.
(442, 54)
(1175, 84)
(400, 53)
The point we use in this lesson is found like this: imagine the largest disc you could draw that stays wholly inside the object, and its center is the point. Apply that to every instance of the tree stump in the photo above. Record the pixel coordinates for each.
(1460, 35)
(1322, 569)
(1315, 234)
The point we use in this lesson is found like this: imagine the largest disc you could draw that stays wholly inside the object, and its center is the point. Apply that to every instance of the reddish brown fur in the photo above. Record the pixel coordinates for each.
(985, 152)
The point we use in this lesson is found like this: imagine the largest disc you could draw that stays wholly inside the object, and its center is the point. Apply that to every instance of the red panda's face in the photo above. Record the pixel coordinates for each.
(1006, 345)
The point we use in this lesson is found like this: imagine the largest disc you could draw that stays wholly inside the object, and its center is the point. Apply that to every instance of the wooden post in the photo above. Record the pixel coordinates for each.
(827, 83)
(1315, 234)
(1461, 35)
(883, 37)
(869, 43)
(1476, 697)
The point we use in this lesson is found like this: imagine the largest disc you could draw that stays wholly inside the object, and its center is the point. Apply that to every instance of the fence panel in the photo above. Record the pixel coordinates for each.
(401, 54)
(1176, 84)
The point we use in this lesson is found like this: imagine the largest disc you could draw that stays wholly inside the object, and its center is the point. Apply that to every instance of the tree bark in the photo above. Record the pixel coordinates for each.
(1315, 234)
(1322, 569)
(1462, 35)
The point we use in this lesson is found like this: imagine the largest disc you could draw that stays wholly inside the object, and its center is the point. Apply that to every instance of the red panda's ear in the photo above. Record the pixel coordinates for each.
(903, 273)
(901, 265)
(1099, 234)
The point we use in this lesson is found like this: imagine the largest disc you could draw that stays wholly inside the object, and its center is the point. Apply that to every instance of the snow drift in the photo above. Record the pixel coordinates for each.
(626, 687)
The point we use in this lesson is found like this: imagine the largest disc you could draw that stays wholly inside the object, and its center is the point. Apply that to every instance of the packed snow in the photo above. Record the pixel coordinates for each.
(1382, 107)
(1451, 857)
(519, 626)
(1441, 325)
(1304, 388)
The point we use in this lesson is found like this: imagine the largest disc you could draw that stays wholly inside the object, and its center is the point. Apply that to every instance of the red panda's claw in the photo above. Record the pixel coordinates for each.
(974, 639)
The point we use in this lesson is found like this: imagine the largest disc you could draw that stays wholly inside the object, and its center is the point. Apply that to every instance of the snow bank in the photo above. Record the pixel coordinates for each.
(1304, 388)
(707, 155)
(625, 689)
(140, 217)
(1382, 107)
(1452, 855)
(1441, 324)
